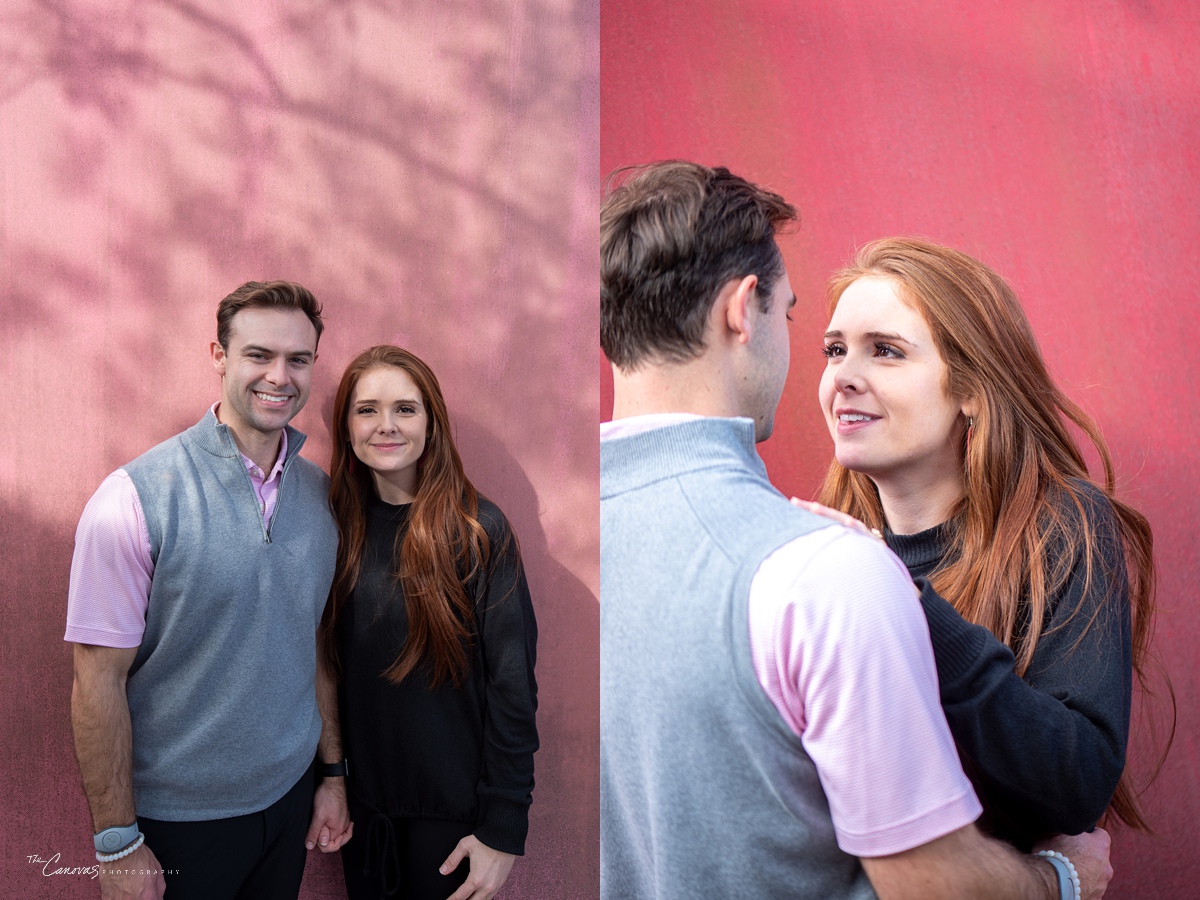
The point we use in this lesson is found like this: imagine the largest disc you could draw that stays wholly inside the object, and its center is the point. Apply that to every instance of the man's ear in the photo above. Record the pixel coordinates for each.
(739, 313)
(218, 357)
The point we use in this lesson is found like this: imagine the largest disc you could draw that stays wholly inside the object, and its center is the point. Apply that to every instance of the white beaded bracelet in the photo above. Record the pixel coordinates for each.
(1055, 857)
(121, 854)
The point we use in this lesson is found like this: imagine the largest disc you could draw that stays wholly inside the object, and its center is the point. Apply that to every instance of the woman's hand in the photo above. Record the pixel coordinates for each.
(489, 869)
(838, 516)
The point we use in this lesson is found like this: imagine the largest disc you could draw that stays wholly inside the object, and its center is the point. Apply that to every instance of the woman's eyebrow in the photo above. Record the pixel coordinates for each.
(874, 336)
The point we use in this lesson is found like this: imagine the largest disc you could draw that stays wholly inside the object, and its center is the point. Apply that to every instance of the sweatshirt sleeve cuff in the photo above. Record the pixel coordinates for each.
(503, 825)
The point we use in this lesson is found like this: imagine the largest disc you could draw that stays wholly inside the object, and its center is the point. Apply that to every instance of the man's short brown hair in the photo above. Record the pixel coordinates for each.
(267, 295)
(671, 235)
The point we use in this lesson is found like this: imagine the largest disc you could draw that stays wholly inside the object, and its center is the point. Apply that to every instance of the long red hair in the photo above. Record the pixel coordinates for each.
(1012, 547)
(441, 550)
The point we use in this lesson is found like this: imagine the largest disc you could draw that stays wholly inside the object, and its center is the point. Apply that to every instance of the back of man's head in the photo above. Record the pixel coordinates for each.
(671, 235)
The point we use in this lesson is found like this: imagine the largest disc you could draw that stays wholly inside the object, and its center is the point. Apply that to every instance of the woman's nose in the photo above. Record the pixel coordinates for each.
(848, 376)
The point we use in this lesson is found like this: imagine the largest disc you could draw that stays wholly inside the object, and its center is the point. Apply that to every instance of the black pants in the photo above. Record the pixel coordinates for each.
(260, 855)
(398, 859)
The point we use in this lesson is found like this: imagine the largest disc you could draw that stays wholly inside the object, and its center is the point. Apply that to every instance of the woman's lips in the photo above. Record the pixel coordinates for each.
(852, 421)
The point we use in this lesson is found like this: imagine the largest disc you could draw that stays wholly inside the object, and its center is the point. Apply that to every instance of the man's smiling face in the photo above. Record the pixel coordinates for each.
(266, 370)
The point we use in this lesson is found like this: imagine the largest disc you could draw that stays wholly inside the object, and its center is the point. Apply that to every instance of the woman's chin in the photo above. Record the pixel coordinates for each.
(855, 462)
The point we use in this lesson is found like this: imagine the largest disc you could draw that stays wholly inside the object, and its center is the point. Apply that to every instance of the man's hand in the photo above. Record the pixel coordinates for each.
(1089, 855)
(137, 876)
(331, 826)
(489, 869)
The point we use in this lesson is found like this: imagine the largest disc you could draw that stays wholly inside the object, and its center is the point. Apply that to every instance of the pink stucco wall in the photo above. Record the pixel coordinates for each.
(1058, 142)
(427, 169)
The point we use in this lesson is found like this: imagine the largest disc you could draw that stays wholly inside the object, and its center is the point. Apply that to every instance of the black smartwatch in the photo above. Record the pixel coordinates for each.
(334, 770)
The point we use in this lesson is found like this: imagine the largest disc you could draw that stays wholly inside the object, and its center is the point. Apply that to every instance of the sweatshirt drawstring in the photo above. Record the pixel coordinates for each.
(381, 846)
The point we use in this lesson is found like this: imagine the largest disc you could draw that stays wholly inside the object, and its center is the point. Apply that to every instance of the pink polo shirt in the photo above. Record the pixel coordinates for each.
(111, 568)
(840, 647)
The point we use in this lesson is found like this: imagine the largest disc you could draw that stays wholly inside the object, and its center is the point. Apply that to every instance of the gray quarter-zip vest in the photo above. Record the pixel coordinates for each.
(704, 790)
(222, 692)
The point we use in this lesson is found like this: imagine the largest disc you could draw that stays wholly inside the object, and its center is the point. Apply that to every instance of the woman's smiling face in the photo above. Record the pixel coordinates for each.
(883, 391)
(387, 423)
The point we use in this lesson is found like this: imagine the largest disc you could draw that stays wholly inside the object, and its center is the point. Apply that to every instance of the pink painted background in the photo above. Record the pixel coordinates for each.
(427, 169)
(1058, 142)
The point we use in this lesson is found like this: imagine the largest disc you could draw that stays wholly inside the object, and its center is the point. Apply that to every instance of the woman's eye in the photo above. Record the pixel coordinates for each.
(887, 351)
(365, 410)
(832, 350)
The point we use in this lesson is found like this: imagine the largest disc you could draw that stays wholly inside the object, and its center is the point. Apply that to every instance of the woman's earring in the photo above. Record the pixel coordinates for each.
(970, 430)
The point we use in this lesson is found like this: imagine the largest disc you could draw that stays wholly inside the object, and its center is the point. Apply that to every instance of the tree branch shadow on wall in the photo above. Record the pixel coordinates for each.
(377, 160)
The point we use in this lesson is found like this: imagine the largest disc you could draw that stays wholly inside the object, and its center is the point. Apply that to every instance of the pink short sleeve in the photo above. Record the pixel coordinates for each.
(111, 568)
(841, 648)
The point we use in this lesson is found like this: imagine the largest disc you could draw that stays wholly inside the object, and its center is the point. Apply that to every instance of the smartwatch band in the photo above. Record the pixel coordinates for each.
(334, 770)
(112, 840)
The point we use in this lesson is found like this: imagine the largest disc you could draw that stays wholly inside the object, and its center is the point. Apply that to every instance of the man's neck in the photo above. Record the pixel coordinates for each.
(697, 386)
(260, 447)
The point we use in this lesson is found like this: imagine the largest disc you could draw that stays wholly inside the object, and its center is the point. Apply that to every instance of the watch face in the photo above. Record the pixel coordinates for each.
(111, 840)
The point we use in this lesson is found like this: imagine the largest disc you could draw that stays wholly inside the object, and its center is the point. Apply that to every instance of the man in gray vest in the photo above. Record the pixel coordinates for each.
(199, 576)
(769, 715)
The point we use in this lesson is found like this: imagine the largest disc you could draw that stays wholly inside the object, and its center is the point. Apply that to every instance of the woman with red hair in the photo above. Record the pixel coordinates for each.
(951, 438)
(430, 634)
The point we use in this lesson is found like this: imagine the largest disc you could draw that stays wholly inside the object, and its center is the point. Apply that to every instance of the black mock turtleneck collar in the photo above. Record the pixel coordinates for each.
(921, 552)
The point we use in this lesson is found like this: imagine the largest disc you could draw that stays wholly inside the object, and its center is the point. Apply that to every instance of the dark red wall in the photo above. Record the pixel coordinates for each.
(427, 169)
(1060, 143)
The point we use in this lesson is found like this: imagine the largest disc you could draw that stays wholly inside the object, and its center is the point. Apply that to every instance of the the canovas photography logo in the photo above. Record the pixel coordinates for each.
(52, 865)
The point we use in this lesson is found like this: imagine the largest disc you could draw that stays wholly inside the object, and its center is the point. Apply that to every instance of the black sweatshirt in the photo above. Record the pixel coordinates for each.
(1044, 753)
(464, 755)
